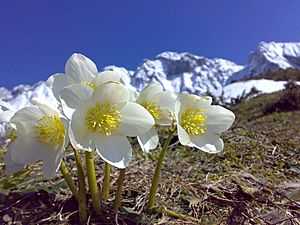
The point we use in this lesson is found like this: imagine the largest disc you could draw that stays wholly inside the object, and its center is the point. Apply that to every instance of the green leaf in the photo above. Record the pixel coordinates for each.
(15, 179)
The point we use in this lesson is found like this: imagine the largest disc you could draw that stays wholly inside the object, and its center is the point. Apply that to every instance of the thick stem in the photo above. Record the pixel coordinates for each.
(106, 182)
(69, 180)
(82, 189)
(159, 164)
(117, 202)
(90, 167)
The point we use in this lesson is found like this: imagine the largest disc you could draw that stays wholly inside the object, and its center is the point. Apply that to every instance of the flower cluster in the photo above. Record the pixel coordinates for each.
(95, 111)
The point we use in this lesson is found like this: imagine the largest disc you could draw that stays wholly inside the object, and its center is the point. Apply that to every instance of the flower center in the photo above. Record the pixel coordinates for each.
(50, 130)
(153, 109)
(192, 121)
(103, 118)
(90, 84)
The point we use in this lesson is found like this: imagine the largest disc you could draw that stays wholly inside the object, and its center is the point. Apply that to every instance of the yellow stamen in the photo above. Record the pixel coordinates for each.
(103, 118)
(11, 135)
(90, 84)
(50, 130)
(192, 121)
(153, 109)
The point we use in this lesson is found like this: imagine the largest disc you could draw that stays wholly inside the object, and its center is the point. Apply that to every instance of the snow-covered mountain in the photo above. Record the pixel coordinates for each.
(22, 95)
(185, 72)
(270, 57)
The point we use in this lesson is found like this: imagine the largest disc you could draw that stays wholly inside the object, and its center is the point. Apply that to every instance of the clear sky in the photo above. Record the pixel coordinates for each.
(37, 37)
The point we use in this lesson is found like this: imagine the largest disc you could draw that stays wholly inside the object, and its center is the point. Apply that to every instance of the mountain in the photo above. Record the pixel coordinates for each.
(270, 57)
(4, 93)
(186, 72)
(21, 95)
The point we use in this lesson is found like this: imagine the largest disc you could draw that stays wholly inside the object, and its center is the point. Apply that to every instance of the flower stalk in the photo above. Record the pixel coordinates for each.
(117, 202)
(106, 182)
(90, 167)
(69, 180)
(159, 164)
(82, 189)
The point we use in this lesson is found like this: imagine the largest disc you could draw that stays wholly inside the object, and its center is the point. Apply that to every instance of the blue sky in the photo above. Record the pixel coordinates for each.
(37, 37)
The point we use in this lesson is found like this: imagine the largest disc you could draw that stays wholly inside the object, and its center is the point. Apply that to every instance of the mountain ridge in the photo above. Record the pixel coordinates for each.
(183, 72)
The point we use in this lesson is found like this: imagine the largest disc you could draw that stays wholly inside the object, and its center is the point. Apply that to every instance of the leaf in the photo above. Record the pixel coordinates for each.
(15, 179)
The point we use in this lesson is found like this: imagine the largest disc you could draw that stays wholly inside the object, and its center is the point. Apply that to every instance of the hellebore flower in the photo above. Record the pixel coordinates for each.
(103, 118)
(199, 124)
(40, 135)
(80, 70)
(5, 116)
(160, 104)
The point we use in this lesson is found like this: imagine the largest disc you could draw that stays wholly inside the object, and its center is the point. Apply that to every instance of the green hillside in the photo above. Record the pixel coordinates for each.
(280, 75)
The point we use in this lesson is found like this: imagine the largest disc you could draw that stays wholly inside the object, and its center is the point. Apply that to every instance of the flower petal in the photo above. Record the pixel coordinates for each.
(183, 136)
(148, 92)
(209, 143)
(44, 107)
(26, 149)
(107, 76)
(25, 119)
(111, 92)
(136, 120)
(133, 95)
(80, 68)
(116, 150)
(10, 165)
(167, 100)
(219, 119)
(57, 82)
(166, 117)
(80, 137)
(148, 140)
(74, 97)
(188, 101)
(51, 162)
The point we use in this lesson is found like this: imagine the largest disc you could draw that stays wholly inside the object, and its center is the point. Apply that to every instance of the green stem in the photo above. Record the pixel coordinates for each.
(69, 180)
(90, 167)
(82, 189)
(117, 202)
(106, 182)
(159, 164)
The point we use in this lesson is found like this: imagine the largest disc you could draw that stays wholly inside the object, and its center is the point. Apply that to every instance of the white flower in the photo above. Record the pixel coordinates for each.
(79, 70)
(40, 135)
(199, 123)
(160, 104)
(103, 118)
